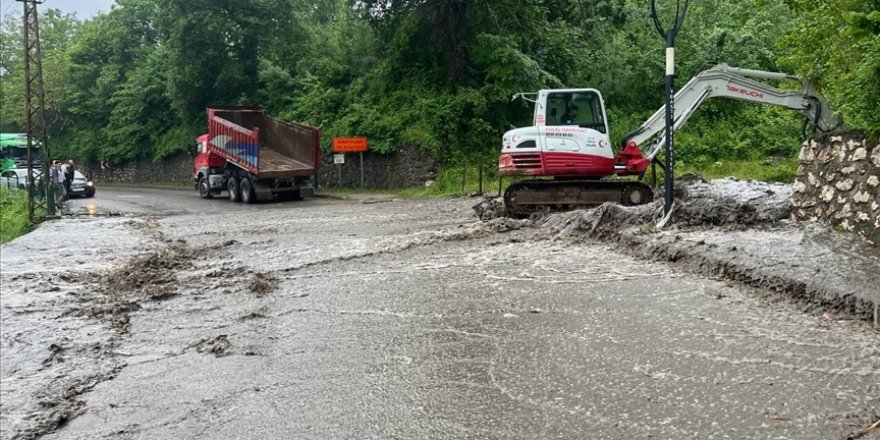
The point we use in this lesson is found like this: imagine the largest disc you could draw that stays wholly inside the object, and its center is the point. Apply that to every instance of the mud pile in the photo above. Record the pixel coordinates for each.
(490, 208)
(151, 276)
(725, 203)
(730, 201)
(738, 230)
(604, 221)
(262, 284)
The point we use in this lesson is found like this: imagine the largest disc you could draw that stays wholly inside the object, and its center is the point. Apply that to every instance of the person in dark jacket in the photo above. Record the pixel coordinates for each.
(570, 117)
(68, 178)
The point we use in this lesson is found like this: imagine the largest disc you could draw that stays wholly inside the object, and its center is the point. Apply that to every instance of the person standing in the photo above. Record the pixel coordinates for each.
(68, 178)
(56, 175)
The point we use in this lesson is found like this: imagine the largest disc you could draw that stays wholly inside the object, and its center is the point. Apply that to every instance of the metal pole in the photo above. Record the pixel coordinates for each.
(35, 116)
(362, 169)
(669, 38)
(481, 179)
(669, 195)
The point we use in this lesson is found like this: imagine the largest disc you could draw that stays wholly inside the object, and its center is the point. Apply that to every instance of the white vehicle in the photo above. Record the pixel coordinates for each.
(15, 178)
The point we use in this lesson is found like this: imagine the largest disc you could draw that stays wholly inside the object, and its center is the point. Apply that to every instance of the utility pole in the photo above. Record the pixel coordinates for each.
(669, 37)
(41, 204)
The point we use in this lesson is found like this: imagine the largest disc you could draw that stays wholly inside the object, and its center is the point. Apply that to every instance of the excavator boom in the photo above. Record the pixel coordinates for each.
(734, 83)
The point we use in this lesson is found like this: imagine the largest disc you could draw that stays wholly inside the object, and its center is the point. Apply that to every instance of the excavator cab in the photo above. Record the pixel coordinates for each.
(581, 108)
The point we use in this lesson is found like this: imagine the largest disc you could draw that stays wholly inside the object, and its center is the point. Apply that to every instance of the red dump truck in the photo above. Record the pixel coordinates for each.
(254, 157)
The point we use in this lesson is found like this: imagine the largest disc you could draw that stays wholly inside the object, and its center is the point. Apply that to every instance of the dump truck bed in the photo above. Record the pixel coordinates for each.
(264, 146)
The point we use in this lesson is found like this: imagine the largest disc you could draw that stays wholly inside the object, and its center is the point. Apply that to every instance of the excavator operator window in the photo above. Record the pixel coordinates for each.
(577, 108)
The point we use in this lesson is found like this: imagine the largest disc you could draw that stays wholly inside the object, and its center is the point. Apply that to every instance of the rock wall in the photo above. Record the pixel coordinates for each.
(402, 168)
(838, 182)
(176, 168)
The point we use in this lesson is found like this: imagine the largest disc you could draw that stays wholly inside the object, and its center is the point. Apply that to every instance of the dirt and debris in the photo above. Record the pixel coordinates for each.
(490, 208)
(262, 284)
(56, 355)
(253, 315)
(219, 346)
(735, 228)
(725, 202)
(152, 275)
(730, 202)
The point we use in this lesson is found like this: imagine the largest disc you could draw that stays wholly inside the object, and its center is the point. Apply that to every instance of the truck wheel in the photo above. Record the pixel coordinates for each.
(232, 188)
(248, 195)
(204, 189)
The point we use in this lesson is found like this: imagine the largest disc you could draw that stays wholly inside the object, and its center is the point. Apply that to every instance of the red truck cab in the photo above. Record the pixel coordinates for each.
(204, 160)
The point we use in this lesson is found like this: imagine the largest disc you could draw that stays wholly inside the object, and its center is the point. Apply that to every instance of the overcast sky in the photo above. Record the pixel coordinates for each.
(82, 8)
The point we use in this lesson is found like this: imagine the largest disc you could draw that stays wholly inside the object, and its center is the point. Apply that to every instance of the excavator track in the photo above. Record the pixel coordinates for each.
(533, 196)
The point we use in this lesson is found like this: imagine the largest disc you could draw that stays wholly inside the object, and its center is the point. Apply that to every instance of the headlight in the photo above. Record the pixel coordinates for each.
(90, 184)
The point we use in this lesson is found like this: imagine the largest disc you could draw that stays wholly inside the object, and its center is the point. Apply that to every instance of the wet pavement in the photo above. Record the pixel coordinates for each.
(326, 319)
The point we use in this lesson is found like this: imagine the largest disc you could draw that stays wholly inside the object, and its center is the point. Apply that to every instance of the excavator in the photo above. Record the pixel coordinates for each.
(567, 154)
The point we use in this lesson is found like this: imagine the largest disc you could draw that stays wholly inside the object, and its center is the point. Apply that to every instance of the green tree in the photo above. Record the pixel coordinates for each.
(837, 45)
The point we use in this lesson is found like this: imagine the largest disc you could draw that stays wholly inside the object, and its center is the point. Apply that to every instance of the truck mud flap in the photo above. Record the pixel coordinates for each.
(263, 191)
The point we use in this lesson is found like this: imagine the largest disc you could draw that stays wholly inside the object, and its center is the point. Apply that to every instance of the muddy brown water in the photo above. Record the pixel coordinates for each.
(407, 319)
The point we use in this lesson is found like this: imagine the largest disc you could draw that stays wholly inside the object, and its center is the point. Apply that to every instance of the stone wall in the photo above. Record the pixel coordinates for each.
(839, 182)
(176, 168)
(402, 168)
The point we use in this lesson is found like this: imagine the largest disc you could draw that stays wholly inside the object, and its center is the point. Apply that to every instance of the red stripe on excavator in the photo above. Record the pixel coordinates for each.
(554, 164)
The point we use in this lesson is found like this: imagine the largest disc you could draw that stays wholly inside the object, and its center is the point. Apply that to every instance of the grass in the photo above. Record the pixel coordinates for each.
(767, 170)
(13, 214)
(449, 182)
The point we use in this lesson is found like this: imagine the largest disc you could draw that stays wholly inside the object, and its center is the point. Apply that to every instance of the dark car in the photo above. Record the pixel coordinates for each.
(81, 186)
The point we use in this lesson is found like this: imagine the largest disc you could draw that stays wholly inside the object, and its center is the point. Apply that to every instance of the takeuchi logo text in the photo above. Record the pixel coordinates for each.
(734, 89)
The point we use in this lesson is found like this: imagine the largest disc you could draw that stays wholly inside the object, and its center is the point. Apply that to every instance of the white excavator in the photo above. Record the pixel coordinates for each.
(568, 152)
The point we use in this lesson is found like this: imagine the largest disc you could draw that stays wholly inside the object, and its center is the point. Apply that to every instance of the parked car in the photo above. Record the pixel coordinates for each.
(81, 186)
(15, 178)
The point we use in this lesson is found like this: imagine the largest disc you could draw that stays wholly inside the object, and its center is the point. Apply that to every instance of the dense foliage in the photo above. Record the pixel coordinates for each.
(13, 214)
(438, 74)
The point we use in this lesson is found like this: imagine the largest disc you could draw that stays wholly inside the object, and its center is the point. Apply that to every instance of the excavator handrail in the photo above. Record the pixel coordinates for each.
(524, 95)
(734, 83)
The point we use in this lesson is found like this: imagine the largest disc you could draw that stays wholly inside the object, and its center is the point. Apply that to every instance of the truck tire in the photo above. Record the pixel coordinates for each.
(248, 195)
(204, 188)
(232, 188)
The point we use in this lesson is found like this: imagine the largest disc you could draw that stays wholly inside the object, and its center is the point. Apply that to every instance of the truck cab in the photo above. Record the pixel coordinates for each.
(204, 162)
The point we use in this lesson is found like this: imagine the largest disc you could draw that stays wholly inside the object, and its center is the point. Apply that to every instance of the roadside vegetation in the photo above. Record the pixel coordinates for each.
(133, 83)
(13, 214)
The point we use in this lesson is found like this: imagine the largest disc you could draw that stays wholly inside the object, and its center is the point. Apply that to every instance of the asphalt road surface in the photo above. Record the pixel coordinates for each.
(178, 317)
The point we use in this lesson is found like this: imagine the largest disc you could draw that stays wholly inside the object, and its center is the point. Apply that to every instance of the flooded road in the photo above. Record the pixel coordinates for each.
(326, 319)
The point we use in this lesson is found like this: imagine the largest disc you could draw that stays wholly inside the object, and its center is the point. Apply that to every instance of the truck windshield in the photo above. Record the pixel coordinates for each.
(583, 108)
